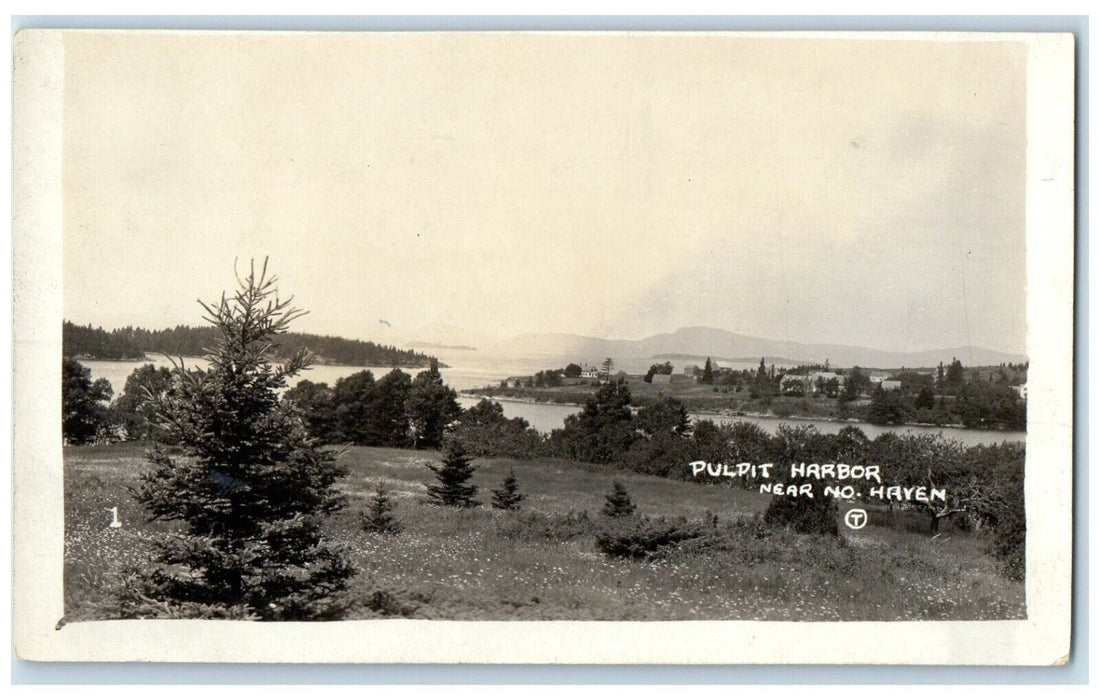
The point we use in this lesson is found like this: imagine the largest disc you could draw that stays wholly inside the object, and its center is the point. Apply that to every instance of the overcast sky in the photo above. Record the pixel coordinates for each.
(861, 192)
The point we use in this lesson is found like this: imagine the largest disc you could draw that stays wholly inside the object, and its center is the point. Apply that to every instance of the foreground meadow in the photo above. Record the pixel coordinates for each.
(542, 563)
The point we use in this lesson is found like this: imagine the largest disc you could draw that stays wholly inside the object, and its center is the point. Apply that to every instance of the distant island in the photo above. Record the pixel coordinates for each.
(129, 343)
(438, 346)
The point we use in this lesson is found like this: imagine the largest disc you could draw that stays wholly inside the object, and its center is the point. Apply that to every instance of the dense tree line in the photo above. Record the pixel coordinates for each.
(949, 398)
(547, 378)
(394, 411)
(485, 432)
(132, 343)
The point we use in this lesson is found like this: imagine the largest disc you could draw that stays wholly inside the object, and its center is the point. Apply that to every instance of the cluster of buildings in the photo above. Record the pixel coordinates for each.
(815, 381)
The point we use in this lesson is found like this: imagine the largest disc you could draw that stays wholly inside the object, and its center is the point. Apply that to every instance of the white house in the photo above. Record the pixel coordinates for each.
(1021, 389)
(891, 385)
(590, 373)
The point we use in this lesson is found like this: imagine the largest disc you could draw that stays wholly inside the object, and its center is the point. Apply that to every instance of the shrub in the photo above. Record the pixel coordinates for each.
(1001, 502)
(666, 455)
(815, 515)
(386, 604)
(643, 538)
(749, 542)
(1008, 545)
(554, 527)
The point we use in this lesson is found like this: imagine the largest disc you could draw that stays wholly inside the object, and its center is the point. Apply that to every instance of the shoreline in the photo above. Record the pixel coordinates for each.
(472, 394)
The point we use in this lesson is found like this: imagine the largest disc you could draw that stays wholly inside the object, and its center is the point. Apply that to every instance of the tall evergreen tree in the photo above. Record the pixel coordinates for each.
(608, 366)
(508, 497)
(603, 431)
(954, 377)
(432, 406)
(351, 401)
(853, 385)
(453, 489)
(387, 415)
(318, 409)
(250, 490)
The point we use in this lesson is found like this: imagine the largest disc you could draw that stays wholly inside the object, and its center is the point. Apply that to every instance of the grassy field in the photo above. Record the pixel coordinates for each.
(542, 562)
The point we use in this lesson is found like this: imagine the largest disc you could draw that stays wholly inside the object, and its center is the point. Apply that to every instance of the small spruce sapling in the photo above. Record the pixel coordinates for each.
(618, 502)
(508, 497)
(379, 517)
(453, 489)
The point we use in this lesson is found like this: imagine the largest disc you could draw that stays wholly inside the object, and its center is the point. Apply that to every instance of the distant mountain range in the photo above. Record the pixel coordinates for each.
(700, 343)
(768, 359)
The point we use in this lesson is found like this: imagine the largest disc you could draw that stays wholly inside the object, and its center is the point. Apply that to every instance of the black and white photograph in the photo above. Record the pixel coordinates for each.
(404, 329)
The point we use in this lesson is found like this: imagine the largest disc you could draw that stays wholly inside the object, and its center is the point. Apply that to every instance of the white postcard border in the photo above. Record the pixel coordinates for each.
(1042, 639)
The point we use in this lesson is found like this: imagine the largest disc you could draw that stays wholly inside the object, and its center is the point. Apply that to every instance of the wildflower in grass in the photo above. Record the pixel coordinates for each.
(508, 497)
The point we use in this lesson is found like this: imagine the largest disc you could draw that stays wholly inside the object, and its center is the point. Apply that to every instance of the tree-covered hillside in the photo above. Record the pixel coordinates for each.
(131, 343)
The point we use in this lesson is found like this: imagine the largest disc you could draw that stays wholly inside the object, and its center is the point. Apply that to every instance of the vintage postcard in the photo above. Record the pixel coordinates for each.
(543, 347)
